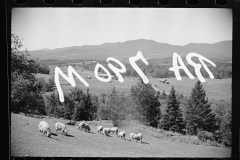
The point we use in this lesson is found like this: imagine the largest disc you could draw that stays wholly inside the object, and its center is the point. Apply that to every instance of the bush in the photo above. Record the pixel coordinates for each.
(43, 68)
(47, 87)
(217, 136)
(51, 81)
(72, 123)
(26, 94)
(117, 123)
(226, 128)
(204, 136)
(160, 130)
(27, 98)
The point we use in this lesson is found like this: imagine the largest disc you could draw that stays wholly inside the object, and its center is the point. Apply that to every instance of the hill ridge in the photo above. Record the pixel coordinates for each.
(124, 50)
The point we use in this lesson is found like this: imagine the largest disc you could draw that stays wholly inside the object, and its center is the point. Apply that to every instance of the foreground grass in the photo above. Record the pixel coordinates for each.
(26, 140)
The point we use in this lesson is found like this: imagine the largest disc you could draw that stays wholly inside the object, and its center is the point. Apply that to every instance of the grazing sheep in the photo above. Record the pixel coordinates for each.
(44, 128)
(114, 130)
(106, 131)
(137, 136)
(84, 126)
(87, 128)
(122, 134)
(81, 125)
(43, 123)
(100, 129)
(61, 127)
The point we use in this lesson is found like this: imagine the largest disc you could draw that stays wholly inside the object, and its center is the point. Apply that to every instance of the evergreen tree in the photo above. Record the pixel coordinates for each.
(117, 105)
(172, 120)
(68, 107)
(89, 107)
(175, 113)
(96, 105)
(164, 122)
(103, 112)
(78, 96)
(78, 111)
(199, 115)
(113, 104)
(147, 103)
(84, 108)
(164, 95)
(52, 104)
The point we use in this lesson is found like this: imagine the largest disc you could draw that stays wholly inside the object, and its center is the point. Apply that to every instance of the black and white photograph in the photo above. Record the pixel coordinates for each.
(121, 82)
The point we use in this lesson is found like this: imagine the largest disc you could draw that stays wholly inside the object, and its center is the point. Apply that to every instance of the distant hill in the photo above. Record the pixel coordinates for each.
(149, 48)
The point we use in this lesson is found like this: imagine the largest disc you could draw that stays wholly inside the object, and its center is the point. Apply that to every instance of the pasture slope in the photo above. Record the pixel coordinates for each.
(26, 140)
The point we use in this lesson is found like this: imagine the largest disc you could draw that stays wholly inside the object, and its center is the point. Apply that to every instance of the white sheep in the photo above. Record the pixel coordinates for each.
(41, 124)
(137, 136)
(44, 128)
(106, 131)
(61, 127)
(100, 129)
(122, 134)
(114, 130)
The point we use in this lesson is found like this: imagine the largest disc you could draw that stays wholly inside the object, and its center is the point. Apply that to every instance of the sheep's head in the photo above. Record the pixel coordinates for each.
(65, 131)
(48, 134)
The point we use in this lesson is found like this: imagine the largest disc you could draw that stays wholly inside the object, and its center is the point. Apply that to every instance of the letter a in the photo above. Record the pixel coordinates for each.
(176, 68)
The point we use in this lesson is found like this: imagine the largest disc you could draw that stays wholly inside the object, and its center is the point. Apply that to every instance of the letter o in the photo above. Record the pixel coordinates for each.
(105, 70)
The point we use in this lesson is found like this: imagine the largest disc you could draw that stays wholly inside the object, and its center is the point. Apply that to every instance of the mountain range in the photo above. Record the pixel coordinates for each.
(123, 50)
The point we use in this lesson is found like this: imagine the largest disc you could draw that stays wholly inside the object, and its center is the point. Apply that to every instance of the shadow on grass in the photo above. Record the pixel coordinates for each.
(54, 138)
(108, 135)
(72, 123)
(54, 134)
(136, 141)
(88, 132)
(69, 135)
(145, 143)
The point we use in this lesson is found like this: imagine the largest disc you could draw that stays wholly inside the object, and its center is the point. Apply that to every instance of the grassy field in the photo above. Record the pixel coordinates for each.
(215, 88)
(26, 140)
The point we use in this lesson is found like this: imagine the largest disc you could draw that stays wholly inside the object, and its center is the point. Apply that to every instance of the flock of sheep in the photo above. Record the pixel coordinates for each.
(44, 128)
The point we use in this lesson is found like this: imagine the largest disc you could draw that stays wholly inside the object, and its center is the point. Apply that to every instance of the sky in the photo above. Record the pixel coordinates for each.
(50, 28)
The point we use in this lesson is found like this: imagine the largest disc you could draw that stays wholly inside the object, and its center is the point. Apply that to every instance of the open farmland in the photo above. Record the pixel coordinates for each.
(26, 140)
(215, 88)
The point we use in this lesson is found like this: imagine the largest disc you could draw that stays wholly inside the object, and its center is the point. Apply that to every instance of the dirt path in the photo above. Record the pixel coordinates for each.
(27, 140)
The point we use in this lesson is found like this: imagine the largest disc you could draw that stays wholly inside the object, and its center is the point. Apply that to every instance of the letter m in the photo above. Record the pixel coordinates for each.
(68, 78)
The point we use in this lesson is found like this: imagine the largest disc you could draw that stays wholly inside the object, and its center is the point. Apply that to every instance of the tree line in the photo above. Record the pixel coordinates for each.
(193, 115)
(221, 71)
